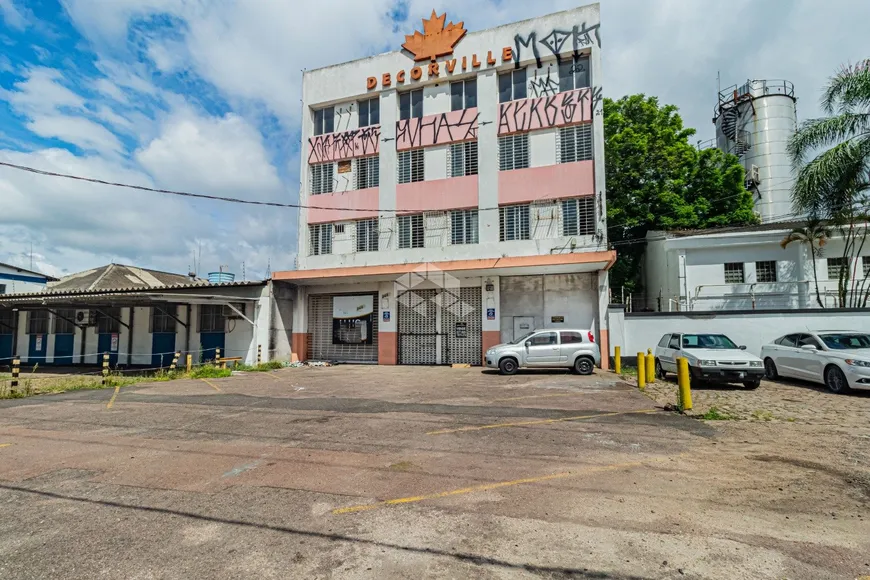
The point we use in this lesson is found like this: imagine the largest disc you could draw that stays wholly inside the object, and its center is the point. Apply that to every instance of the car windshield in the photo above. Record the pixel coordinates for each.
(717, 341)
(522, 338)
(846, 341)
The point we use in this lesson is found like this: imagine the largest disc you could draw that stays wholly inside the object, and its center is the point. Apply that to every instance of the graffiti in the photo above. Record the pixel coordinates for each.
(580, 37)
(597, 97)
(547, 112)
(336, 184)
(437, 129)
(345, 145)
(343, 114)
(543, 87)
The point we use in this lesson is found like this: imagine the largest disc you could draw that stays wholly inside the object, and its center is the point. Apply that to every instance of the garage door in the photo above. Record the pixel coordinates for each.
(418, 328)
(355, 341)
(440, 327)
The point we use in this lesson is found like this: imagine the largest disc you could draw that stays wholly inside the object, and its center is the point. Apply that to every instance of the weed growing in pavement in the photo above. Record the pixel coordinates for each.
(210, 372)
(762, 415)
(260, 368)
(714, 414)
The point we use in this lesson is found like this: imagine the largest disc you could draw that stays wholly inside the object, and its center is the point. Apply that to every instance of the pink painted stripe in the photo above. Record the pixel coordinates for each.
(344, 145)
(344, 204)
(549, 182)
(437, 195)
(437, 129)
(566, 108)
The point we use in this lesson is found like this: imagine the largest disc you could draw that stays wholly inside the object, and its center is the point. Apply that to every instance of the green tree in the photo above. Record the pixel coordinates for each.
(656, 179)
(814, 234)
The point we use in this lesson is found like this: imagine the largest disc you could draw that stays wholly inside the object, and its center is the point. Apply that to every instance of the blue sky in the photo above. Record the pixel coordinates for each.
(205, 97)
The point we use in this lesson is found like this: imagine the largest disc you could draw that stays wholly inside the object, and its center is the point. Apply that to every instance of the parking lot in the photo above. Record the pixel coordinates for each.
(395, 472)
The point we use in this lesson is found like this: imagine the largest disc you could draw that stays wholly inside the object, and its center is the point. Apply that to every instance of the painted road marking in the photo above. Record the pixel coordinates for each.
(276, 377)
(537, 422)
(212, 385)
(489, 486)
(5, 444)
(114, 396)
(536, 397)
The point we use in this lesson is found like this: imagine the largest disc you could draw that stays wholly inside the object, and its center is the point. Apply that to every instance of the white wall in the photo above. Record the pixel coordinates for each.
(572, 296)
(31, 282)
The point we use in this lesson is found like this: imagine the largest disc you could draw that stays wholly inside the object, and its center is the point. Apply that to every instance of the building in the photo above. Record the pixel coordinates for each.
(141, 317)
(14, 279)
(453, 194)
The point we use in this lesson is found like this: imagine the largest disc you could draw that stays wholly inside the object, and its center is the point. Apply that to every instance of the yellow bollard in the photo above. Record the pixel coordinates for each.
(16, 369)
(650, 367)
(617, 360)
(684, 380)
(641, 371)
(189, 362)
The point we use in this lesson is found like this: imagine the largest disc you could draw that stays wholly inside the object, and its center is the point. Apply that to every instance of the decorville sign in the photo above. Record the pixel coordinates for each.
(437, 40)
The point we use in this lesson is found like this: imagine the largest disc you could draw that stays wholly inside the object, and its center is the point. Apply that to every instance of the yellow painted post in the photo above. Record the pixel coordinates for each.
(16, 369)
(650, 367)
(641, 371)
(105, 368)
(684, 381)
(189, 362)
(617, 359)
(259, 354)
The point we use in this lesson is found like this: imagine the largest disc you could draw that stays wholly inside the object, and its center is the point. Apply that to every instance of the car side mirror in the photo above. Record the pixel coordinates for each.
(526, 344)
(743, 347)
(809, 347)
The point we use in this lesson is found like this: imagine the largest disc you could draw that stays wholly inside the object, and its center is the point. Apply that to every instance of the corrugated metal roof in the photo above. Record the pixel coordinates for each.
(34, 272)
(50, 294)
(120, 276)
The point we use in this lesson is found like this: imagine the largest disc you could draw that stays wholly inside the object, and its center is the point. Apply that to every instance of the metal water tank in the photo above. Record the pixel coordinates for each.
(220, 277)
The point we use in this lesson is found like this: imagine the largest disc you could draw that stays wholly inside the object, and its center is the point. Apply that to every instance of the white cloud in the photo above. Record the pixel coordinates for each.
(88, 135)
(12, 15)
(42, 92)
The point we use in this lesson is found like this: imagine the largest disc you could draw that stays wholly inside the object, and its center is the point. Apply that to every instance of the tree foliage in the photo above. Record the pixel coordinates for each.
(656, 179)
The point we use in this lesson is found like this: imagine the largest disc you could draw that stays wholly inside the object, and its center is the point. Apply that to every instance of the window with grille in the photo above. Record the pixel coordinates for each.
(63, 321)
(574, 73)
(108, 320)
(513, 152)
(369, 112)
(411, 231)
(575, 143)
(367, 235)
(462, 159)
(322, 178)
(338, 228)
(513, 223)
(411, 105)
(463, 95)
(324, 121)
(163, 318)
(734, 273)
(368, 172)
(836, 266)
(765, 271)
(578, 216)
(463, 227)
(512, 86)
(211, 318)
(37, 322)
(410, 165)
(865, 262)
(320, 239)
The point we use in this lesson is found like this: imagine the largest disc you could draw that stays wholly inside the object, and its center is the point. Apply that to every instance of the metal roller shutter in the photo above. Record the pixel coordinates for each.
(418, 328)
(320, 333)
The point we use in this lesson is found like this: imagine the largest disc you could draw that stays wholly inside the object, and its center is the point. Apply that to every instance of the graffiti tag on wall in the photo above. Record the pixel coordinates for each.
(345, 145)
(437, 129)
(547, 112)
(557, 41)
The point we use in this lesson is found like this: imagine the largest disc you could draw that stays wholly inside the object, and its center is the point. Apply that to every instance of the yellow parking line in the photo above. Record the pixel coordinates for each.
(5, 444)
(537, 422)
(536, 397)
(212, 385)
(114, 396)
(276, 377)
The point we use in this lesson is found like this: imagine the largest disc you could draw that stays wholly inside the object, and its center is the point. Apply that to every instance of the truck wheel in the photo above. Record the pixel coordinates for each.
(583, 366)
(508, 366)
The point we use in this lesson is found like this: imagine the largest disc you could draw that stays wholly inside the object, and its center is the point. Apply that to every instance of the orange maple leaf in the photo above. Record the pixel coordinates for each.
(436, 39)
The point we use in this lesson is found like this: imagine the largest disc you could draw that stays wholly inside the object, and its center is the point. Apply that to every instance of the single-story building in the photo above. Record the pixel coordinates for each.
(14, 279)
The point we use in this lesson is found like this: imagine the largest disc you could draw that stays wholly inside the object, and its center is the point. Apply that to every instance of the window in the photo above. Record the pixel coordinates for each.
(324, 121)
(338, 228)
(2, 288)
(574, 143)
(663, 343)
(513, 152)
(578, 216)
(7, 322)
(574, 73)
(411, 105)
(846, 341)
(63, 321)
(322, 178)
(367, 235)
(320, 239)
(675, 342)
(571, 337)
(544, 339)
(512, 86)
(734, 273)
(513, 223)
(370, 112)
(107, 320)
(163, 318)
(462, 159)
(37, 322)
(411, 166)
(791, 340)
(865, 261)
(765, 271)
(836, 267)
(368, 172)
(463, 227)
(463, 95)
(211, 318)
(411, 232)
(809, 340)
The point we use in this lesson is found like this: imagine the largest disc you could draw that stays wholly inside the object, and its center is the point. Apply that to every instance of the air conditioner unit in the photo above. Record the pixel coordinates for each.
(85, 317)
(231, 314)
(755, 175)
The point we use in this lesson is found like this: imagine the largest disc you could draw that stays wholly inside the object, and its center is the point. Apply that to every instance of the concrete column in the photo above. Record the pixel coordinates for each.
(388, 168)
(598, 142)
(487, 161)
(603, 329)
(263, 319)
(22, 339)
(388, 309)
(490, 311)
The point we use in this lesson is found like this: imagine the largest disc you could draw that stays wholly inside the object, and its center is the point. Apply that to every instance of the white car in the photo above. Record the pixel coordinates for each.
(838, 359)
(712, 358)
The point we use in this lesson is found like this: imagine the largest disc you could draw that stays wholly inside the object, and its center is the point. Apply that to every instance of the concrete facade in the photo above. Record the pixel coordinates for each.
(15, 280)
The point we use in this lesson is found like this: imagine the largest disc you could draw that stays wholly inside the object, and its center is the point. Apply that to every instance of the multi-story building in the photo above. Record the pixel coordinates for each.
(453, 194)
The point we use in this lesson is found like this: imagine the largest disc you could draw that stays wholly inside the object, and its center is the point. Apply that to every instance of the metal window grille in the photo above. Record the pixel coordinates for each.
(462, 159)
(836, 267)
(574, 143)
(162, 318)
(322, 178)
(63, 321)
(367, 235)
(37, 322)
(212, 318)
(411, 166)
(578, 216)
(765, 271)
(338, 228)
(464, 227)
(865, 261)
(412, 233)
(513, 152)
(513, 222)
(320, 238)
(734, 273)
(368, 172)
(107, 320)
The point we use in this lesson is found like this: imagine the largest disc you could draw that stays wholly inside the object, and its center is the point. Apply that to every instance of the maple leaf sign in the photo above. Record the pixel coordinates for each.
(436, 39)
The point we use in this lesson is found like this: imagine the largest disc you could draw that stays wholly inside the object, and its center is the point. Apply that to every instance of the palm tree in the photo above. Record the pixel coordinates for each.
(814, 234)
